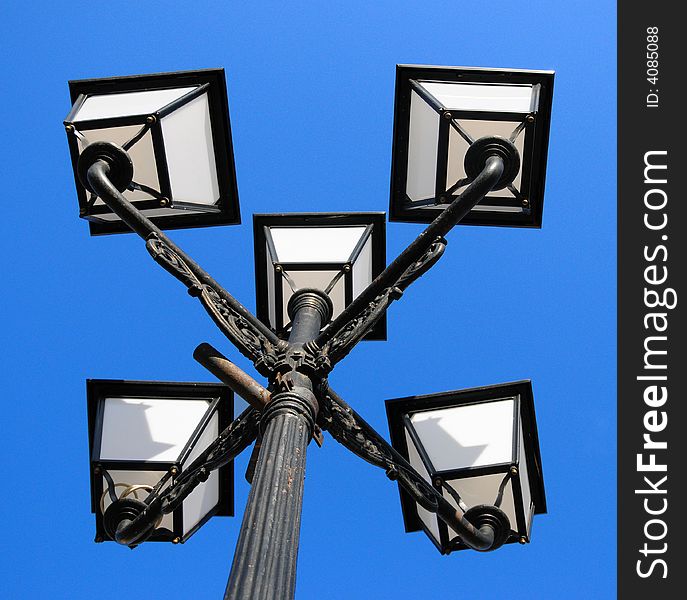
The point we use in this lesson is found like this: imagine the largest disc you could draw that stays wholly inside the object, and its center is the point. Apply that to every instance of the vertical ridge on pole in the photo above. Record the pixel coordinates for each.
(264, 564)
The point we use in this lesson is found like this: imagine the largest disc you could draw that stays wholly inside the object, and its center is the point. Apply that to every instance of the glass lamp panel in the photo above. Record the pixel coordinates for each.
(481, 96)
(362, 268)
(527, 507)
(206, 496)
(428, 518)
(318, 280)
(458, 146)
(190, 153)
(473, 435)
(423, 142)
(127, 478)
(148, 429)
(142, 155)
(315, 244)
(107, 106)
(484, 490)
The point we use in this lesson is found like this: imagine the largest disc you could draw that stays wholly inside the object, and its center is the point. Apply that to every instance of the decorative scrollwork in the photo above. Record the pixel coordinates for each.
(171, 262)
(240, 331)
(355, 329)
(350, 429)
(230, 443)
(356, 319)
(420, 267)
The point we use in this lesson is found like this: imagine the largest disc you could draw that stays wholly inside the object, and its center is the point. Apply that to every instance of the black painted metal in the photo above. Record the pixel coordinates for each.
(135, 524)
(264, 566)
(246, 332)
(344, 332)
(351, 430)
(308, 309)
(524, 414)
(481, 149)
(221, 404)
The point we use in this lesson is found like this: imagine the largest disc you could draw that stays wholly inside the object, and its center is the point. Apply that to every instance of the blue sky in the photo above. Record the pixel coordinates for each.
(311, 97)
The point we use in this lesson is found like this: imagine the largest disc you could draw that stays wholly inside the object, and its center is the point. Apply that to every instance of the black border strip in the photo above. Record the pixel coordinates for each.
(652, 344)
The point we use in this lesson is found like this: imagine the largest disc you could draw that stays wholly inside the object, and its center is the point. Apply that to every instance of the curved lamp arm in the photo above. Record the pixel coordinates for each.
(137, 521)
(230, 443)
(488, 532)
(337, 340)
(254, 339)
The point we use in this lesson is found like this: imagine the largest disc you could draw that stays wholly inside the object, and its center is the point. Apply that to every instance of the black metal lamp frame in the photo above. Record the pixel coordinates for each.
(524, 209)
(224, 212)
(222, 402)
(373, 221)
(298, 402)
(523, 406)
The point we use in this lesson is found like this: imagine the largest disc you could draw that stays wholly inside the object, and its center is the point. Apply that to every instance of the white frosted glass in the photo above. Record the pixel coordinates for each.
(315, 244)
(314, 279)
(362, 268)
(525, 482)
(484, 490)
(146, 102)
(190, 154)
(428, 518)
(142, 155)
(136, 478)
(423, 141)
(478, 96)
(148, 428)
(206, 496)
(473, 435)
(457, 147)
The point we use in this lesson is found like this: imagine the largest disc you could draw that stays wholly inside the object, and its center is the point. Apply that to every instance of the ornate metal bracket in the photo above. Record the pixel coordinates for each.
(356, 319)
(356, 329)
(230, 443)
(350, 429)
(142, 516)
(254, 339)
(279, 360)
(235, 326)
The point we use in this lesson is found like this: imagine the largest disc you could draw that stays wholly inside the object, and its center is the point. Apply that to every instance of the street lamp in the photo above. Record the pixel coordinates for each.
(145, 434)
(490, 472)
(174, 127)
(443, 117)
(339, 254)
(467, 462)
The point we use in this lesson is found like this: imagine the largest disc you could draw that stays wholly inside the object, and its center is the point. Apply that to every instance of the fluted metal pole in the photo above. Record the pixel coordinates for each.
(264, 566)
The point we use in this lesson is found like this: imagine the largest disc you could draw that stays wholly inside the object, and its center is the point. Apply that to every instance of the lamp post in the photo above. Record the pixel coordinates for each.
(154, 152)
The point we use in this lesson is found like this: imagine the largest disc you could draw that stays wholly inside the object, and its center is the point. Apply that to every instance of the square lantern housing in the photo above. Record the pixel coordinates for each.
(141, 431)
(479, 445)
(175, 127)
(338, 253)
(439, 112)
